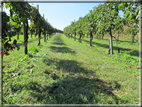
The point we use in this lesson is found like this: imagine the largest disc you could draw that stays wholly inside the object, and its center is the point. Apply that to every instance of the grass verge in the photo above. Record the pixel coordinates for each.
(64, 71)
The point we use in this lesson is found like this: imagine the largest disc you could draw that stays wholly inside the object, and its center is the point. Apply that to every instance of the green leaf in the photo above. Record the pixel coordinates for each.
(7, 5)
(127, 14)
(130, 17)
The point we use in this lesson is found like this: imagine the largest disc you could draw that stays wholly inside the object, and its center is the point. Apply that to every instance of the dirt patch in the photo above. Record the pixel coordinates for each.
(100, 51)
(90, 47)
(134, 67)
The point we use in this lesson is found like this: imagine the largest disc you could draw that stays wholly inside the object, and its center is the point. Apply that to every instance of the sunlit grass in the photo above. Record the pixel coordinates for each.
(67, 72)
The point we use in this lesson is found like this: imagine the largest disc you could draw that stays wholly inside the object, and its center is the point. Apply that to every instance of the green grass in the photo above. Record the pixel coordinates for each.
(67, 72)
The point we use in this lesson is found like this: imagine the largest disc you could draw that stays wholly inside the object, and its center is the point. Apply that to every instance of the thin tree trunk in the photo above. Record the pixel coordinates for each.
(111, 42)
(9, 38)
(18, 36)
(102, 36)
(118, 36)
(39, 35)
(24, 31)
(132, 41)
(80, 38)
(44, 37)
(91, 38)
(75, 37)
(26, 50)
(35, 34)
(25, 28)
(31, 35)
(47, 36)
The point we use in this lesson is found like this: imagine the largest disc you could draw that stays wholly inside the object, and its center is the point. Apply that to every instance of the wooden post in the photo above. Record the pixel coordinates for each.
(111, 42)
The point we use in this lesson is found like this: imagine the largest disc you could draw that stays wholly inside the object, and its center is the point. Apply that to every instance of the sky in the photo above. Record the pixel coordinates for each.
(60, 15)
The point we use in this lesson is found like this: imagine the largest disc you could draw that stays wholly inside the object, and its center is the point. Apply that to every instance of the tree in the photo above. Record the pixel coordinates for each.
(32, 28)
(5, 45)
(92, 24)
(79, 28)
(22, 10)
(110, 13)
(131, 13)
(16, 25)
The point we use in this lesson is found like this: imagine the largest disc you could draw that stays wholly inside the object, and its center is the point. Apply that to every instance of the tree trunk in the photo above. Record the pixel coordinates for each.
(39, 35)
(18, 36)
(25, 29)
(118, 36)
(132, 41)
(35, 34)
(47, 36)
(111, 42)
(80, 38)
(44, 37)
(75, 37)
(102, 36)
(9, 38)
(31, 35)
(91, 38)
(26, 50)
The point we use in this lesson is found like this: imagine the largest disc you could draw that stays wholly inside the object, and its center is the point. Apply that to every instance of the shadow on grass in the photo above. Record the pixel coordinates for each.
(58, 39)
(20, 44)
(58, 43)
(33, 56)
(70, 66)
(72, 89)
(30, 55)
(33, 40)
(75, 91)
(61, 49)
(122, 50)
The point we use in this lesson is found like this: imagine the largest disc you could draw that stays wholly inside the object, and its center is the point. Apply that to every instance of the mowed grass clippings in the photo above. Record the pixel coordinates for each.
(64, 71)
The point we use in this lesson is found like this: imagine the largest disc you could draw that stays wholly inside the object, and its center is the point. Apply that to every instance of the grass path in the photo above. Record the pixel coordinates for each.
(67, 72)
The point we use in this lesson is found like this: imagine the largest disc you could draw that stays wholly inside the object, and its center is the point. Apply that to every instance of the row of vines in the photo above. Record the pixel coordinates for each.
(105, 18)
(21, 13)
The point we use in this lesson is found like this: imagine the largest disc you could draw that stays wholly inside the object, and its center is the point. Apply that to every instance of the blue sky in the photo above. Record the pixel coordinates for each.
(60, 15)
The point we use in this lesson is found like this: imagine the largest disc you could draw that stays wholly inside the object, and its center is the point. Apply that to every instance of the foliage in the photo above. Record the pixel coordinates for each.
(6, 46)
(20, 13)
(105, 18)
